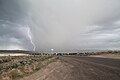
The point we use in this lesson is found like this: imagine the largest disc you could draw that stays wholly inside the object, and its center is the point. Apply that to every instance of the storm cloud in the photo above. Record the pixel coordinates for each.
(13, 20)
(64, 25)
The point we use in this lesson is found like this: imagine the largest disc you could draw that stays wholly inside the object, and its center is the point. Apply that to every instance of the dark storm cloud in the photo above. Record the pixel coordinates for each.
(64, 25)
(13, 33)
(11, 10)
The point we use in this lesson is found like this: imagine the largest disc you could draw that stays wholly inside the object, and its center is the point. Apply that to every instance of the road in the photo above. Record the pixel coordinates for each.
(103, 61)
(79, 68)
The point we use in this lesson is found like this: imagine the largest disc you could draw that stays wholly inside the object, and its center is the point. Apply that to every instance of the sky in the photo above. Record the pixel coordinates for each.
(62, 25)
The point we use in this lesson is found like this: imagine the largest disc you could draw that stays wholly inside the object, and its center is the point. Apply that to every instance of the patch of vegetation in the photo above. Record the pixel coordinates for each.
(19, 66)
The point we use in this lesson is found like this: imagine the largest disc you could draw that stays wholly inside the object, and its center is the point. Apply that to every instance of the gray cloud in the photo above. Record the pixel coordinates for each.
(64, 25)
(13, 32)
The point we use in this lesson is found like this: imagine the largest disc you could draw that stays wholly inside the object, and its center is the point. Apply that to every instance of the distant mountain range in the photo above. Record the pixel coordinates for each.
(15, 51)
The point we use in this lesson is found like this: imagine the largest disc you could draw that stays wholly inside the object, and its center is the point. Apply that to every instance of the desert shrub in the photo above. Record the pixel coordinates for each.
(15, 73)
(14, 66)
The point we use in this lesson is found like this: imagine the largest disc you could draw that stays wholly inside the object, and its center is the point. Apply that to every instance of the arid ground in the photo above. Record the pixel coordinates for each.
(79, 68)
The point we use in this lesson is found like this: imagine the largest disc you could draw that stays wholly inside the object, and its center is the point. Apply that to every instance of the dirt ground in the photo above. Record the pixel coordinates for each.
(113, 56)
(55, 71)
(72, 68)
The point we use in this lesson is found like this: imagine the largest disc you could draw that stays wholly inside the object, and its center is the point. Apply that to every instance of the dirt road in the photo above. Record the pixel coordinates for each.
(79, 68)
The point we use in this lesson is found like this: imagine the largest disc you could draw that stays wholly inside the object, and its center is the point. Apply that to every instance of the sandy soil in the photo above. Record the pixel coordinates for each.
(13, 54)
(55, 71)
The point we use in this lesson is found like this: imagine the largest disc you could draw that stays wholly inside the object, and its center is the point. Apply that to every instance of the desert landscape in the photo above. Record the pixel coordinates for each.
(59, 39)
(72, 66)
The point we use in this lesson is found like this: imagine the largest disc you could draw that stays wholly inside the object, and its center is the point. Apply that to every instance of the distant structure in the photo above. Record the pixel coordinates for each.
(52, 50)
